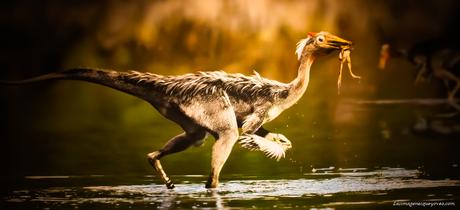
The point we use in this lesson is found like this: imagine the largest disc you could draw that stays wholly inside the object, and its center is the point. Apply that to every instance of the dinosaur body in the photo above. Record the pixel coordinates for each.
(213, 103)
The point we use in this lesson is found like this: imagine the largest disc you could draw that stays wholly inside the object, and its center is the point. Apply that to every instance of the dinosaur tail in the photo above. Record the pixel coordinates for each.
(109, 78)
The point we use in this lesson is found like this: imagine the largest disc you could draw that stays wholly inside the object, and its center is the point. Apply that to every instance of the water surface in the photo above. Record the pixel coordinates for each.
(364, 155)
(322, 188)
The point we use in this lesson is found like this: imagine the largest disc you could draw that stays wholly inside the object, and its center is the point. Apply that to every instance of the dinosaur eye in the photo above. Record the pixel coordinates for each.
(320, 39)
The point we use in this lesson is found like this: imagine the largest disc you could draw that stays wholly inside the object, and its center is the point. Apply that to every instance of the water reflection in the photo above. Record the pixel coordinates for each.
(322, 187)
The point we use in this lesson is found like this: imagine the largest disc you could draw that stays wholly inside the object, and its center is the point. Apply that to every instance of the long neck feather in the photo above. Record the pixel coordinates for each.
(299, 85)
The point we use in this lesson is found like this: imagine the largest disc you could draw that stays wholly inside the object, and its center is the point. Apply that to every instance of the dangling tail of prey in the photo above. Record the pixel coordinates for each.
(109, 78)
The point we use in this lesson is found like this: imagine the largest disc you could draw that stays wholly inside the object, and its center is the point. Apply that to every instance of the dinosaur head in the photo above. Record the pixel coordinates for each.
(321, 43)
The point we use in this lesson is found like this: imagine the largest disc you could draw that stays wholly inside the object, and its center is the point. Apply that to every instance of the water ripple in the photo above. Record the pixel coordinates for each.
(320, 184)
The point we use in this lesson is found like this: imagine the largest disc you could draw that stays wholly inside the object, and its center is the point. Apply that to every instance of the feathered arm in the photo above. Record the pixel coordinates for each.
(273, 145)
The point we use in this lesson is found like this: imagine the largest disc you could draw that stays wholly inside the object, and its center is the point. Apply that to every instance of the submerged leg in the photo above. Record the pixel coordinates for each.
(220, 152)
(176, 144)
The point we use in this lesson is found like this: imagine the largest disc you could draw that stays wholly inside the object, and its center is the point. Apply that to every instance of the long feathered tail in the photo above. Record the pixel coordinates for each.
(109, 78)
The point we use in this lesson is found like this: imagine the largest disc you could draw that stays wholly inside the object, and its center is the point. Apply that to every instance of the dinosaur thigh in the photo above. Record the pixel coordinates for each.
(213, 113)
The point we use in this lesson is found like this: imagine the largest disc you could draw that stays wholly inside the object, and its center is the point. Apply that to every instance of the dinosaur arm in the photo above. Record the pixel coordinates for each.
(262, 132)
(254, 122)
(273, 145)
(255, 137)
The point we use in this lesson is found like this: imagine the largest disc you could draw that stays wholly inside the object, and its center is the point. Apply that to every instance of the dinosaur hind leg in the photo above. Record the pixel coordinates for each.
(155, 162)
(220, 152)
(176, 144)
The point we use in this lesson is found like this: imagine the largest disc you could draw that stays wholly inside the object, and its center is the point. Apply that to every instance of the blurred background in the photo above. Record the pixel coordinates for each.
(73, 127)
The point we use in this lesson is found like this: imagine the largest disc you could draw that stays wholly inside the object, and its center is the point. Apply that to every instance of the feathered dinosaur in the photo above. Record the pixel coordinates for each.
(215, 103)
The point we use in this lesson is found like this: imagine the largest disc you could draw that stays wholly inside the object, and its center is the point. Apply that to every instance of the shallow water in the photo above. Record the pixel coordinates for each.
(321, 188)
(336, 162)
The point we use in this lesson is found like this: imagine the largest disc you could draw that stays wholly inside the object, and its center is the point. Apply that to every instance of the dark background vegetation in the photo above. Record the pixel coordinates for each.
(72, 127)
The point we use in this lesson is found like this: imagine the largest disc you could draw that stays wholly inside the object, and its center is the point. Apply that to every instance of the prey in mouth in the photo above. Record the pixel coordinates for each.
(345, 57)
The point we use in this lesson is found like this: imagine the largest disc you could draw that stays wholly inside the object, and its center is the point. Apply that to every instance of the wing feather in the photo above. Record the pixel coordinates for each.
(271, 149)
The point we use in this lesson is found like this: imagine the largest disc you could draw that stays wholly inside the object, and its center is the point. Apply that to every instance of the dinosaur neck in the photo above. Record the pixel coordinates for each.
(299, 85)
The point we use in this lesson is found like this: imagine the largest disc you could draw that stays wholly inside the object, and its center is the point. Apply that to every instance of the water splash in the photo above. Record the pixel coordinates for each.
(317, 186)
